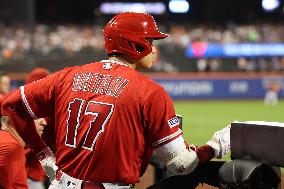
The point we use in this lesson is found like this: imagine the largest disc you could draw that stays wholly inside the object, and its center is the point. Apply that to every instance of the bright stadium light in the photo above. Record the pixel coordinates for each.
(270, 5)
(179, 6)
(118, 7)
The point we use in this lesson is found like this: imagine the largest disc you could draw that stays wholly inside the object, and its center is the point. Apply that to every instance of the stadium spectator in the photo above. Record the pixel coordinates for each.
(109, 118)
(64, 41)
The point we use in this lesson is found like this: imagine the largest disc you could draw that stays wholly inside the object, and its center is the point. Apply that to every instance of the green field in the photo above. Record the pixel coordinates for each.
(202, 118)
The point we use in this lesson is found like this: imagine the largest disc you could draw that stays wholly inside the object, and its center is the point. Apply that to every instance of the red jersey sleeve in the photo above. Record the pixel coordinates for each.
(30, 102)
(37, 97)
(160, 118)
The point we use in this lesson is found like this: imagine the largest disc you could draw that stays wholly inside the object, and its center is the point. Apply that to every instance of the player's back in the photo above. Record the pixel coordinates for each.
(99, 124)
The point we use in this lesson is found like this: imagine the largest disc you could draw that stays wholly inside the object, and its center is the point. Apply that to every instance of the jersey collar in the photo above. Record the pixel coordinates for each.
(115, 62)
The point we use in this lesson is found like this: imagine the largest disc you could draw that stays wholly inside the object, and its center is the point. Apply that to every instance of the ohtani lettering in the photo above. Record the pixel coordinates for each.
(99, 84)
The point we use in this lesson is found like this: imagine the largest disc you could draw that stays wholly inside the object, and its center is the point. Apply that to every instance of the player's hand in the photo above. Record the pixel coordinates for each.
(47, 161)
(220, 142)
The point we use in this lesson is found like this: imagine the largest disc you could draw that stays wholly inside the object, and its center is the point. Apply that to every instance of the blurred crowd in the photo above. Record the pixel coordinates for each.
(229, 33)
(18, 43)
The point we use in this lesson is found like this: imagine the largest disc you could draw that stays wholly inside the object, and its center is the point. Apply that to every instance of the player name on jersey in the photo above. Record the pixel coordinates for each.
(99, 84)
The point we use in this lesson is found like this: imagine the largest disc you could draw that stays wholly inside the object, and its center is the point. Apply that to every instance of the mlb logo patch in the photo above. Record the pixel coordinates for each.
(107, 66)
(173, 122)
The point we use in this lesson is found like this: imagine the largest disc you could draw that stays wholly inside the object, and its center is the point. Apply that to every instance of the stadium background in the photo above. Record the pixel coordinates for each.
(218, 64)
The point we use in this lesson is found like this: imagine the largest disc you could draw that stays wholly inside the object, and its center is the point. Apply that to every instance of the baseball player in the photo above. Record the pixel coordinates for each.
(12, 158)
(109, 118)
(12, 155)
(15, 176)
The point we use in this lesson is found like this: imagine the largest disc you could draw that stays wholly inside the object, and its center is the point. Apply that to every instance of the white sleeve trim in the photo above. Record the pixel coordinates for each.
(167, 138)
(22, 89)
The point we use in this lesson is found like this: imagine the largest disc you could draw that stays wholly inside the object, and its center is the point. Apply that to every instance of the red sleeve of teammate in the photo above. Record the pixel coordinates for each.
(160, 118)
(30, 102)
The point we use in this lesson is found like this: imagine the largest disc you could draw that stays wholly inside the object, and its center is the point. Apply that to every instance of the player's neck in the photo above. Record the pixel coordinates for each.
(130, 64)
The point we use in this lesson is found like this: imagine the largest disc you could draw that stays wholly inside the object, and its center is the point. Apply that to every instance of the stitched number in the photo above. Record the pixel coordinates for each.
(74, 109)
(99, 114)
(95, 117)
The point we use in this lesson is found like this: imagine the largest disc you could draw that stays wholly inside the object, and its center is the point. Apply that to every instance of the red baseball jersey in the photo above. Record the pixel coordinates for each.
(12, 163)
(108, 119)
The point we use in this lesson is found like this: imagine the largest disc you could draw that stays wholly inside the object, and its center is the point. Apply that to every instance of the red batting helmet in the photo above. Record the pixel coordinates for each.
(36, 74)
(127, 33)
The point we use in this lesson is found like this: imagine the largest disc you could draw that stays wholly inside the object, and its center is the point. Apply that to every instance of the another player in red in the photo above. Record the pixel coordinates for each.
(12, 158)
(109, 118)
(12, 155)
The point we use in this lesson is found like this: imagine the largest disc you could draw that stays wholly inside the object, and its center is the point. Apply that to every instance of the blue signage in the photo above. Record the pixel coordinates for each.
(201, 49)
(217, 88)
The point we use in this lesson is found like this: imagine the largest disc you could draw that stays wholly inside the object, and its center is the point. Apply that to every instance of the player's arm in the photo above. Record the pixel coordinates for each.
(176, 157)
(30, 102)
(22, 121)
(180, 159)
(166, 135)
